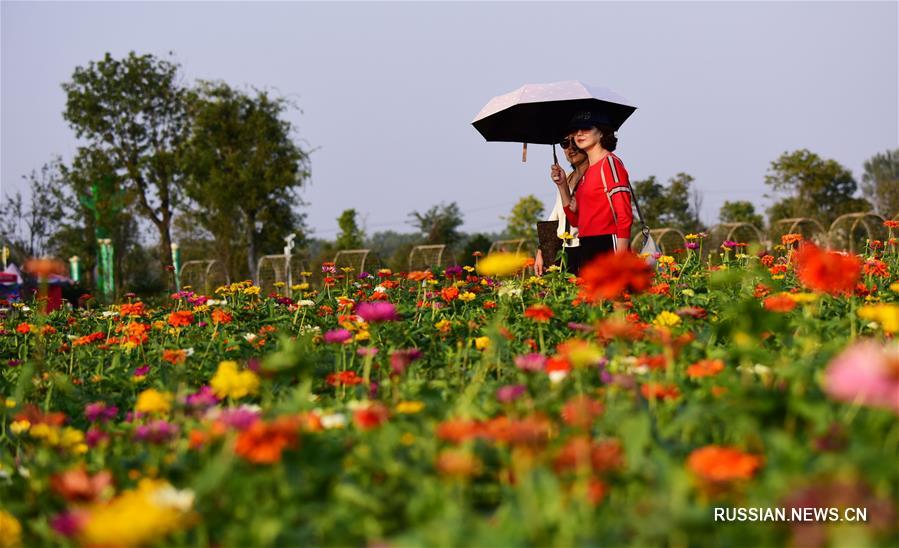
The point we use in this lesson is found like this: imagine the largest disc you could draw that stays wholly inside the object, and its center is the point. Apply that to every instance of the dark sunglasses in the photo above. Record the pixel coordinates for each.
(566, 142)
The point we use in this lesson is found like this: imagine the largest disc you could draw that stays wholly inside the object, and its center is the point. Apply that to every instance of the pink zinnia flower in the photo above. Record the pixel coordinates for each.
(530, 362)
(401, 359)
(379, 311)
(510, 392)
(867, 373)
(338, 336)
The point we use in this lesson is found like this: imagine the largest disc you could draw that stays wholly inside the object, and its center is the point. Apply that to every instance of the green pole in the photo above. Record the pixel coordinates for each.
(110, 270)
(101, 267)
(75, 272)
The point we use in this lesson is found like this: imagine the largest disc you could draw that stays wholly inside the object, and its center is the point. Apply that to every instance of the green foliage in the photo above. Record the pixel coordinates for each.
(440, 224)
(522, 220)
(675, 205)
(244, 170)
(134, 112)
(740, 211)
(476, 242)
(350, 236)
(812, 187)
(880, 183)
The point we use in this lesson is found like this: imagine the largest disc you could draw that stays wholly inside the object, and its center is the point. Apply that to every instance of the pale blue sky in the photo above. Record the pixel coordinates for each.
(388, 90)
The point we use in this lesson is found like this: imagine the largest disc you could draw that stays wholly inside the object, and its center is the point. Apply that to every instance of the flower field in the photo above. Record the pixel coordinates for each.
(466, 407)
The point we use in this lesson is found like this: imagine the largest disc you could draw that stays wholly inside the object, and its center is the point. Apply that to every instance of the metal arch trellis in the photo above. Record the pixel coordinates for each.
(857, 218)
(420, 255)
(513, 246)
(201, 275)
(732, 229)
(354, 258)
(823, 235)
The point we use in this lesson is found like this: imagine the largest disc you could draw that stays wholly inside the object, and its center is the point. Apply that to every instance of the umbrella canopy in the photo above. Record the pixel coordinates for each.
(539, 113)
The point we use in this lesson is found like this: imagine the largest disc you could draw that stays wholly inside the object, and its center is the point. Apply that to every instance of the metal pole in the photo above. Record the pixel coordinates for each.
(176, 262)
(74, 271)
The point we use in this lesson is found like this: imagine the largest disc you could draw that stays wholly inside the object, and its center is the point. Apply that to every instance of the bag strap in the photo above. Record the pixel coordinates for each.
(643, 227)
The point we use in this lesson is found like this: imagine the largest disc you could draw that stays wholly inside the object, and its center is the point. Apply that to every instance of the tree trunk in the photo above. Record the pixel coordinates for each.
(251, 245)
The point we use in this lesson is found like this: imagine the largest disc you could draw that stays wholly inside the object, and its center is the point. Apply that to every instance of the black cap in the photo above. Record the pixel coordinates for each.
(588, 119)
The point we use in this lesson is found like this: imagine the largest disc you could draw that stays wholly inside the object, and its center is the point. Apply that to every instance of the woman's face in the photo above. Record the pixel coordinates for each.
(572, 152)
(586, 138)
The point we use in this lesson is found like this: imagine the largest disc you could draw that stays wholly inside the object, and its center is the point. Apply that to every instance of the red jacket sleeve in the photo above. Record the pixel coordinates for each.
(570, 215)
(619, 190)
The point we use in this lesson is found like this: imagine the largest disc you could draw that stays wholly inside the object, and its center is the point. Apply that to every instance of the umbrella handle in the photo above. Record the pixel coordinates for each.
(555, 158)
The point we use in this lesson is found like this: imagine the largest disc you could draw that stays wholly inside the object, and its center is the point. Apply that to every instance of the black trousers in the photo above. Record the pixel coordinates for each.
(590, 248)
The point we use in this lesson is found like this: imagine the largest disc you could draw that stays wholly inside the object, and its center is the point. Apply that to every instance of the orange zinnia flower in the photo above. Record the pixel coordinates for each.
(779, 303)
(458, 430)
(262, 442)
(131, 309)
(580, 411)
(457, 463)
(539, 313)
(581, 453)
(181, 318)
(174, 357)
(827, 271)
(723, 464)
(371, 416)
(705, 368)
(449, 293)
(219, 316)
(24, 328)
(658, 391)
(611, 275)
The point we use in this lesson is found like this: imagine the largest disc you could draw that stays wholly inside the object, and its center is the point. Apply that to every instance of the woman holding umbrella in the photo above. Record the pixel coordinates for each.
(601, 205)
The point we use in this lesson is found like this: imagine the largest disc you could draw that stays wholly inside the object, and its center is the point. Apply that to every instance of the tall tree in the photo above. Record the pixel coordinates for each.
(880, 182)
(30, 225)
(244, 167)
(740, 211)
(522, 220)
(811, 186)
(675, 205)
(133, 110)
(440, 224)
(350, 236)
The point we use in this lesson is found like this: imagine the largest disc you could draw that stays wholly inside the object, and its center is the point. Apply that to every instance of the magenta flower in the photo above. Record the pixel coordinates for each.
(94, 436)
(69, 523)
(530, 362)
(401, 359)
(100, 412)
(158, 431)
(730, 244)
(692, 245)
(367, 351)
(338, 336)
(142, 371)
(510, 392)
(239, 418)
(202, 398)
(378, 311)
(865, 373)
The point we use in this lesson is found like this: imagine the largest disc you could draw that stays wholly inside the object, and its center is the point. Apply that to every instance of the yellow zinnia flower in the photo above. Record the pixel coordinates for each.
(228, 382)
(502, 264)
(153, 401)
(666, 319)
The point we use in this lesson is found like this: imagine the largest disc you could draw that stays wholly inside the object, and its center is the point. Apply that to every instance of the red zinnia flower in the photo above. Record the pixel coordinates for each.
(827, 271)
(539, 313)
(262, 442)
(611, 275)
(705, 368)
(779, 303)
(723, 464)
(181, 318)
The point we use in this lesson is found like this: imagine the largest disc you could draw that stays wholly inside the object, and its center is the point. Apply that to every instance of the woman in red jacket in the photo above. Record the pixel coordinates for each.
(601, 205)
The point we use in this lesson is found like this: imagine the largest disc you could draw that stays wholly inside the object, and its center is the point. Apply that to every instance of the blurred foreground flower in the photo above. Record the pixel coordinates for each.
(827, 271)
(502, 264)
(611, 275)
(867, 374)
